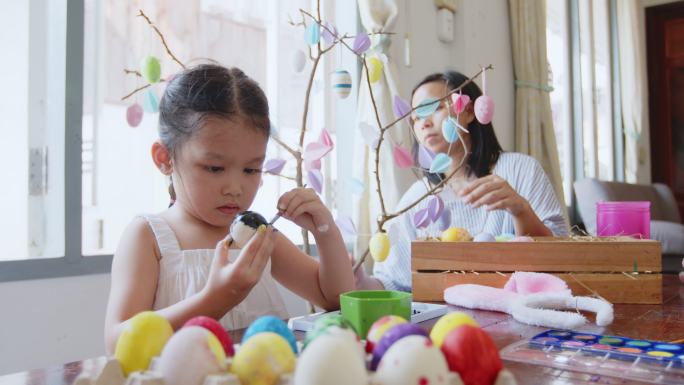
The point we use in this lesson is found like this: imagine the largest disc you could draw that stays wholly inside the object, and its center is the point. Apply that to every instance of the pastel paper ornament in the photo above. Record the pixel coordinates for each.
(356, 186)
(427, 107)
(374, 69)
(402, 157)
(325, 138)
(459, 102)
(150, 69)
(361, 43)
(400, 107)
(315, 179)
(316, 150)
(440, 164)
(421, 218)
(435, 207)
(341, 83)
(298, 60)
(379, 246)
(425, 157)
(134, 115)
(346, 225)
(312, 34)
(314, 164)
(370, 134)
(274, 166)
(449, 130)
(150, 102)
(329, 32)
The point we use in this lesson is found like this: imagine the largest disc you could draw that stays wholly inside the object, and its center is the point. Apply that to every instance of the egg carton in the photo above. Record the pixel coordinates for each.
(108, 372)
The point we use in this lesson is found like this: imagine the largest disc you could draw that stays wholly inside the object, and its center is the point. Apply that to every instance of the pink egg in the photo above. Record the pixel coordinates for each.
(134, 115)
(484, 109)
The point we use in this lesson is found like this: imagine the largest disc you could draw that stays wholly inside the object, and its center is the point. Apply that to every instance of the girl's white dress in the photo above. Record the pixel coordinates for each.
(182, 273)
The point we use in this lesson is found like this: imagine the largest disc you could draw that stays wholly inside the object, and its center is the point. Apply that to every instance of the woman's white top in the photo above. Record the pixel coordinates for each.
(183, 273)
(525, 176)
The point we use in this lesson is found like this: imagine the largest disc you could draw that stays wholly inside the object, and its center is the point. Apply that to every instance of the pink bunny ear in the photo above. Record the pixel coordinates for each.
(480, 297)
(529, 282)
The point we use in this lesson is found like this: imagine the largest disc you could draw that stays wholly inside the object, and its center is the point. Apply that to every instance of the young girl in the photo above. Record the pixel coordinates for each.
(213, 130)
(494, 191)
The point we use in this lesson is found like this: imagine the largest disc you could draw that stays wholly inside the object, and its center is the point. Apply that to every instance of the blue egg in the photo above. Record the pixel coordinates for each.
(269, 323)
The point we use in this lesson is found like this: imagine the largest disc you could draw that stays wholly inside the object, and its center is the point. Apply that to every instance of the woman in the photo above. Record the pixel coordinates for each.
(490, 190)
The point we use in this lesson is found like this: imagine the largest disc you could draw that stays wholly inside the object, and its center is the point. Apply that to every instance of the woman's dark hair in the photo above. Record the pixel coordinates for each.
(484, 147)
(209, 91)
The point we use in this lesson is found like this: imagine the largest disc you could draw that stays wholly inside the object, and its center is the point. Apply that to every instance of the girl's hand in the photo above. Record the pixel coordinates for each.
(494, 192)
(303, 207)
(229, 283)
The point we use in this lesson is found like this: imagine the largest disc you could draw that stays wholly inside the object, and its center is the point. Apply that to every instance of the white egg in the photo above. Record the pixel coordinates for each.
(331, 359)
(412, 360)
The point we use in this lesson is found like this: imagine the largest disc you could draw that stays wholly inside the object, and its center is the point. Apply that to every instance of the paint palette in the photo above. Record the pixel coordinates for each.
(642, 360)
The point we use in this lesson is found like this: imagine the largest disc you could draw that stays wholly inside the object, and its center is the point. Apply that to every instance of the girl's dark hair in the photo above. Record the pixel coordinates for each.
(484, 147)
(208, 91)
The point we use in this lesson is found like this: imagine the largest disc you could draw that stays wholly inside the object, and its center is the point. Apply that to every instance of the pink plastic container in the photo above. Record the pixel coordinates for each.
(624, 218)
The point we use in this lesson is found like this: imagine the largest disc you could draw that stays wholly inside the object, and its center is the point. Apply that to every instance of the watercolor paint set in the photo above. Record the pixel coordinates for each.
(656, 362)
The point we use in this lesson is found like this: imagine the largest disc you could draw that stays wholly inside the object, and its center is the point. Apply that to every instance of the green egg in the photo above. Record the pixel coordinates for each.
(322, 324)
(150, 69)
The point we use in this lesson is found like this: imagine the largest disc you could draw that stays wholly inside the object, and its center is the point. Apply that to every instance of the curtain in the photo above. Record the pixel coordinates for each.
(534, 134)
(378, 15)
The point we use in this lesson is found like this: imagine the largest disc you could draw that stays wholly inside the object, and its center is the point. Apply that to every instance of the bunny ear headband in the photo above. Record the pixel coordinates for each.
(532, 298)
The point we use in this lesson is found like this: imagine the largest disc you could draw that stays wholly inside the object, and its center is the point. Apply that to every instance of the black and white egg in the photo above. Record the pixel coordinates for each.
(244, 226)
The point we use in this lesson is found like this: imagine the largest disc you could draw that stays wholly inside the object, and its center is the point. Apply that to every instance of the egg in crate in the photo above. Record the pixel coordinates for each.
(273, 324)
(456, 234)
(323, 326)
(390, 337)
(471, 352)
(331, 359)
(217, 329)
(143, 337)
(447, 323)
(191, 354)
(263, 359)
(378, 329)
(412, 360)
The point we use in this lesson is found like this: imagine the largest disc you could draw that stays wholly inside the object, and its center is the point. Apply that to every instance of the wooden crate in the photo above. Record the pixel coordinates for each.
(622, 270)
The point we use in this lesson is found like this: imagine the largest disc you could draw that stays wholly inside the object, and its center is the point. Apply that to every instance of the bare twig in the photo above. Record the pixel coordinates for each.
(279, 175)
(132, 72)
(135, 91)
(161, 36)
(287, 148)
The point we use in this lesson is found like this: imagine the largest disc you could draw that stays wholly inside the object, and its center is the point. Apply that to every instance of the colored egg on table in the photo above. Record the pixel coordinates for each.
(391, 336)
(273, 324)
(484, 237)
(143, 337)
(379, 246)
(472, 353)
(150, 69)
(263, 359)
(447, 323)
(456, 234)
(331, 360)
(341, 83)
(379, 327)
(322, 325)
(522, 238)
(504, 237)
(191, 354)
(217, 329)
(413, 360)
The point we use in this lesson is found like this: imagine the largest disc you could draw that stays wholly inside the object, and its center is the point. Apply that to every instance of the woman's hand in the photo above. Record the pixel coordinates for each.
(495, 192)
(303, 207)
(229, 283)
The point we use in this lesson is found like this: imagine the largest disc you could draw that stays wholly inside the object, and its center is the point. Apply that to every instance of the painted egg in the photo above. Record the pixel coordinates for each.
(456, 234)
(263, 359)
(273, 324)
(379, 327)
(134, 115)
(471, 352)
(341, 83)
(150, 69)
(143, 337)
(374, 69)
(447, 323)
(244, 227)
(504, 237)
(413, 360)
(522, 238)
(391, 336)
(217, 329)
(190, 355)
(484, 109)
(379, 246)
(331, 360)
(322, 325)
(484, 237)
(298, 60)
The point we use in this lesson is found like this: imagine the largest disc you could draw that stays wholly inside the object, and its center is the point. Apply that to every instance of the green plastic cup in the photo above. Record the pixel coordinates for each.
(363, 307)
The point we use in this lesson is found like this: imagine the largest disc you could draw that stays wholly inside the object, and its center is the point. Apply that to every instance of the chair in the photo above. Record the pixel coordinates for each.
(666, 223)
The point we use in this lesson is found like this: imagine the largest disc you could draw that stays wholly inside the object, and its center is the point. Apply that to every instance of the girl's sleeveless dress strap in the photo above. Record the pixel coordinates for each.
(166, 239)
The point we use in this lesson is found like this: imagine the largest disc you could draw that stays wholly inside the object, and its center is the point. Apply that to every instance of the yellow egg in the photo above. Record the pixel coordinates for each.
(447, 323)
(374, 69)
(456, 234)
(263, 359)
(143, 337)
(379, 246)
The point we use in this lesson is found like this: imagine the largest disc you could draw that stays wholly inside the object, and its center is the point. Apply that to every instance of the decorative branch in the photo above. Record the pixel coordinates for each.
(132, 72)
(161, 36)
(135, 91)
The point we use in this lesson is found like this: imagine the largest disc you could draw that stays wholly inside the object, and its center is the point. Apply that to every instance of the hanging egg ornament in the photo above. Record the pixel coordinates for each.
(484, 105)
(374, 69)
(379, 246)
(150, 69)
(134, 115)
(342, 83)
